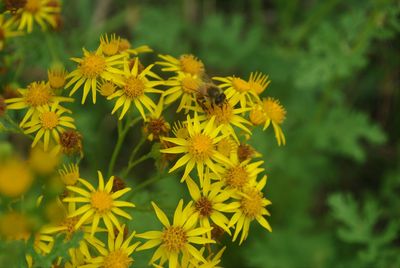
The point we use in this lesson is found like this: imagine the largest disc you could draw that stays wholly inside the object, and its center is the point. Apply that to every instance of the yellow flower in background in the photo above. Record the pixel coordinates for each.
(183, 86)
(35, 96)
(91, 68)
(107, 88)
(198, 149)
(43, 162)
(69, 174)
(109, 46)
(125, 46)
(258, 82)
(257, 115)
(238, 90)
(49, 123)
(117, 255)
(57, 77)
(155, 125)
(251, 207)
(39, 11)
(15, 226)
(210, 203)
(15, 177)
(135, 86)
(275, 114)
(101, 203)
(180, 130)
(6, 30)
(186, 63)
(176, 239)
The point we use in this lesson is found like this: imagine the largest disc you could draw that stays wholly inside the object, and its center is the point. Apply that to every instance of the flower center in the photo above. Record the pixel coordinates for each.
(57, 78)
(92, 66)
(111, 47)
(101, 201)
(223, 113)
(252, 203)
(117, 259)
(225, 147)
(180, 131)
(70, 224)
(174, 238)
(32, 6)
(244, 152)
(49, 120)
(71, 141)
(107, 88)
(274, 110)
(236, 177)
(200, 147)
(38, 94)
(190, 84)
(134, 87)
(240, 85)
(190, 64)
(157, 127)
(204, 206)
(257, 115)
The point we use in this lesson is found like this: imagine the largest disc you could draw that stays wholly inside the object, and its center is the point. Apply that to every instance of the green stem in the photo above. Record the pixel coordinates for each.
(134, 163)
(16, 127)
(136, 149)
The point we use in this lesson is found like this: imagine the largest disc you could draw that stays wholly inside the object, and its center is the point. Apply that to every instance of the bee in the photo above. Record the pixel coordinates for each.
(210, 96)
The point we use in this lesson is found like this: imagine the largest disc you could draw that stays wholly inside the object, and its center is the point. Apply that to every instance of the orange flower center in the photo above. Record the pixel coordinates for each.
(134, 87)
(201, 147)
(117, 259)
(252, 204)
(57, 78)
(49, 120)
(38, 94)
(257, 115)
(190, 64)
(32, 6)
(236, 177)
(92, 65)
(240, 85)
(223, 113)
(190, 85)
(101, 201)
(111, 47)
(107, 88)
(174, 238)
(274, 110)
(204, 206)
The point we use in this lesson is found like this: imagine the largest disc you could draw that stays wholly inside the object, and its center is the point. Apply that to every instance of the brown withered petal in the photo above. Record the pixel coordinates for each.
(118, 184)
(71, 142)
(245, 152)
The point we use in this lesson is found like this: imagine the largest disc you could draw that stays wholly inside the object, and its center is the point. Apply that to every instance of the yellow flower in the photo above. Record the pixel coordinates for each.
(211, 262)
(180, 130)
(6, 30)
(134, 88)
(14, 225)
(276, 114)
(210, 203)
(36, 95)
(50, 122)
(155, 125)
(227, 146)
(251, 206)
(183, 86)
(69, 174)
(101, 203)
(238, 90)
(43, 162)
(39, 11)
(118, 254)
(109, 47)
(198, 149)
(107, 88)
(257, 115)
(186, 63)
(176, 239)
(15, 177)
(125, 46)
(91, 68)
(258, 82)
(56, 77)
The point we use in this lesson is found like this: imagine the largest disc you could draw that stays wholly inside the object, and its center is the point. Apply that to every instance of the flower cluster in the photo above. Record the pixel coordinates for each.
(209, 152)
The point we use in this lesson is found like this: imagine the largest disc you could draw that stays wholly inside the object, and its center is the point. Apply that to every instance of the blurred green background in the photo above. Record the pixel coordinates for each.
(334, 65)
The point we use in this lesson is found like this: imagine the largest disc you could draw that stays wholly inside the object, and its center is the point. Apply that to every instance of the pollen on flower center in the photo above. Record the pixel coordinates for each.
(190, 84)
(92, 65)
(174, 238)
(134, 87)
(32, 6)
(107, 88)
(101, 201)
(204, 206)
(190, 64)
(38, 94)
(223, 114)
(49, 120)
(252, 204)
(240, 85)
(236, 177)
(274, 110)
(117, 259)
(200, 147)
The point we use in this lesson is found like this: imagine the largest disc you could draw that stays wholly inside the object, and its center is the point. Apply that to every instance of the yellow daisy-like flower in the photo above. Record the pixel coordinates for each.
(198, 149)
(57, 77)
(109, 46)
(180, 130)
(43, 162)
(275, 114)
(107, 88)
(49, 122)
(91, 68)
(251, 206)
(39, 11)
(186, 63)
(155, 125)
(101, 203)
(176, 239)
(211, 262)
(183, 86)
(6, 30)
(238, 90)
(69, 174)
(258, 82)
(15, 177)
(134, 88)
(36, 95)
(210, 203)
(118, 254)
